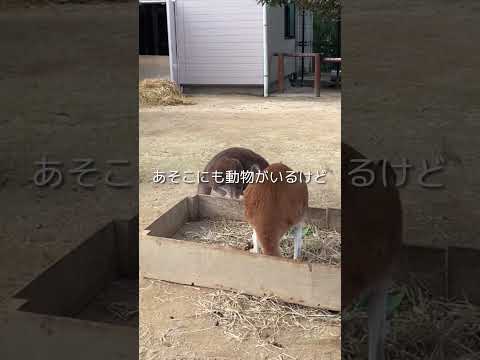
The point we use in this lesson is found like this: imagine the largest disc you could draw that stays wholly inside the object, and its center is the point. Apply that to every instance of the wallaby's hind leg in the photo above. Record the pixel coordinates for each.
(377, 308)
(297, 250)
(255, 249)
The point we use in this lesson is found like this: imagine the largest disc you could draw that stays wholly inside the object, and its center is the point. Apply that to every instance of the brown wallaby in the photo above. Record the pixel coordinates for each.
(273, 206)
(371, 240)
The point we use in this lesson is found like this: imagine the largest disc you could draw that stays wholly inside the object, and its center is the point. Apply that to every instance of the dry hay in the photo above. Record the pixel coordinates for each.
(265, 321)
(154, 92)
(421, 327)
(319, 246)
(243, 316)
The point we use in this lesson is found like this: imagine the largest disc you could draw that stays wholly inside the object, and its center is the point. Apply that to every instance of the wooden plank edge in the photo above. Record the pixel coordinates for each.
(153, 257)
(171, 220)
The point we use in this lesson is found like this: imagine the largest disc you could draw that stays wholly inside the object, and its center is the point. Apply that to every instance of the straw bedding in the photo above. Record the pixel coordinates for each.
(243, 316)
(319, 246)
(421, 327)
(154, 92)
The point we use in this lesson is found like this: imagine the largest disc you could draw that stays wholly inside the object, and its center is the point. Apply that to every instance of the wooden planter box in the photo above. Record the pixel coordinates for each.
(56, 314)
(191, 263)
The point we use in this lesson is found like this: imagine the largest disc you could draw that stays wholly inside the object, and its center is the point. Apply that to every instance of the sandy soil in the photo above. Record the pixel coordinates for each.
(171, 328)
(304, 133)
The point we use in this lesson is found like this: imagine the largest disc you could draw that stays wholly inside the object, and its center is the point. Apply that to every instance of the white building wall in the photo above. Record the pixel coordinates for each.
(219, 42)
(277, 41)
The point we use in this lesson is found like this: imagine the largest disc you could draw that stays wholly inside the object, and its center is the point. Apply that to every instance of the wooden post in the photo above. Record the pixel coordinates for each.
(317, 75)
(280, 73)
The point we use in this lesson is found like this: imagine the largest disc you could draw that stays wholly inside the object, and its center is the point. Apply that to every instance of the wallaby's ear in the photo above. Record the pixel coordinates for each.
(255, 168)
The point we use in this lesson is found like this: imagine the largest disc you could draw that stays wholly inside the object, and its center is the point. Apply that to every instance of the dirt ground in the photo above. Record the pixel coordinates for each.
(304, 133)
(171, 328)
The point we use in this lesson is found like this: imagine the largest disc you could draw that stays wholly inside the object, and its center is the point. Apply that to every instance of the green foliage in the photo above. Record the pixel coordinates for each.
(307, 230)
(325, 38)
(329, 9)
(394, 301)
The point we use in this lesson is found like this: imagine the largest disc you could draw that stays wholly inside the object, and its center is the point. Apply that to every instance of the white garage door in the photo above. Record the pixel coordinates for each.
(219, 42)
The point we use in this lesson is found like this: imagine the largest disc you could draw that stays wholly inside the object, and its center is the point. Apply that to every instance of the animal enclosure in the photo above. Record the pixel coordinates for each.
(164, 257)
(181, 247)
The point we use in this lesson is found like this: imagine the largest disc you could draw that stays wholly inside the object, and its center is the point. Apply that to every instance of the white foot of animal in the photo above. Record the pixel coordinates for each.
(298, 241)
(255, 249)
(377, 322)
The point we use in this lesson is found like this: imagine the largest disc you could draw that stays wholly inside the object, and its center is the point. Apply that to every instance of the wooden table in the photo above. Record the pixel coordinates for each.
(318, 61)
